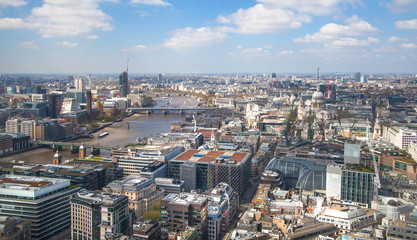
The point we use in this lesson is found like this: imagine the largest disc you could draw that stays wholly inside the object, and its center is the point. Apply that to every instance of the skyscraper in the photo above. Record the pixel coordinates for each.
(123, 84)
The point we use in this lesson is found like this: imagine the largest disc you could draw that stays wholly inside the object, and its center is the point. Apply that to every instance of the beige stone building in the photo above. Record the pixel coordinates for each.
(142, 193)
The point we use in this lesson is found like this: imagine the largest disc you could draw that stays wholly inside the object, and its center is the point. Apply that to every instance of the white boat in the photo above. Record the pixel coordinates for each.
(103, 134)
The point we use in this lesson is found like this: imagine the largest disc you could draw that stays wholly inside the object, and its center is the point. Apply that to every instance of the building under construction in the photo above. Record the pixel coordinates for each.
(202, 169)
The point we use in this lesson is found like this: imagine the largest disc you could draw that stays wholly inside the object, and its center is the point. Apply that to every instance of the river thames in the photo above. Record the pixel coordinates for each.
(120, 133)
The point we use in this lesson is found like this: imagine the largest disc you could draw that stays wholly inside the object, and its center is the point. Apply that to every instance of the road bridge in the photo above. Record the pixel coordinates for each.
(166, 110)
(74, 146)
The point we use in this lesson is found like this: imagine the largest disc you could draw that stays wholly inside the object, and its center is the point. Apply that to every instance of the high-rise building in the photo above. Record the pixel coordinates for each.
(351, 183)
(115, 217)
(43, 201)
(211, 168)
(222, 208)
(123, 84)
(13, 125)
(79, 83)
(54, 105)
(89, 102)
(93, 216)
(181, 210)
(358, 77)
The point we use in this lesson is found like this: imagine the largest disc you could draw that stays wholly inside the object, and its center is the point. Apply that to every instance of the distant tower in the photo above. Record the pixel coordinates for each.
(89, 99)
(82, 151)
(159, 78)
(123, 82)
(318, 74)
(57, 160)
(79, 83)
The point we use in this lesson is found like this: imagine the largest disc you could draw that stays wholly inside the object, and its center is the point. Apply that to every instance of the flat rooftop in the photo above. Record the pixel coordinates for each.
(185, 198)
(208, 156)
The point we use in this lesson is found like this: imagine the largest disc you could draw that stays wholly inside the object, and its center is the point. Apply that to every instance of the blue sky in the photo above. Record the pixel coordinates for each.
(208, 36)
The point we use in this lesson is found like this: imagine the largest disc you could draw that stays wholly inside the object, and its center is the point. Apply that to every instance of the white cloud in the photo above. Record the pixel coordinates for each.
(402, 5)
(409, 45)
(67, 44)
(194, 37)
(58, 18)
(92, 37)
(135, 48)
(29, 45)
(352, 42)
(151, 2)
(331, 31)
(285, 52)
(406, 24)
(13, 3)
(251, 52)
(261, 19)
(6, 23)
(314, 7)
(394, 39)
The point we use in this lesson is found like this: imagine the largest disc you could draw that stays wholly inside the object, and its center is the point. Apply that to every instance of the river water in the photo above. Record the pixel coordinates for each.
(120, 133)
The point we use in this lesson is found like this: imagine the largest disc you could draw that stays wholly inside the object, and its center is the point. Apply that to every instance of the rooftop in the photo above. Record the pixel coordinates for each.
(185, 198)
(209, 156)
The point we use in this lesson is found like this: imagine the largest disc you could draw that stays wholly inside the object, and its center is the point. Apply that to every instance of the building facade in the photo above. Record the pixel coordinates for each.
(43, 201)
(178, 211)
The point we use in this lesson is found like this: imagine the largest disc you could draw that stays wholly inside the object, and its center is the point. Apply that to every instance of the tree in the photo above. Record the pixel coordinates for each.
(154, 213)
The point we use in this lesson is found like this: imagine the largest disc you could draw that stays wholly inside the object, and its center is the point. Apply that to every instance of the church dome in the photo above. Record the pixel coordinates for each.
(318, 96)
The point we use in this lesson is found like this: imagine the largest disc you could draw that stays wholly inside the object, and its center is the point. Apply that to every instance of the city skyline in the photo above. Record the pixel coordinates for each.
(167, 36)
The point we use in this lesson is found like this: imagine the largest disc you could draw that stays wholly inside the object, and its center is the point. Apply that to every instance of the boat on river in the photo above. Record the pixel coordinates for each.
(103, 134)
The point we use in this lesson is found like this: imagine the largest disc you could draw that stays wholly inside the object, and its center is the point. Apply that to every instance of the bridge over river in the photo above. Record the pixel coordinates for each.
(74, 146)
(166, 110)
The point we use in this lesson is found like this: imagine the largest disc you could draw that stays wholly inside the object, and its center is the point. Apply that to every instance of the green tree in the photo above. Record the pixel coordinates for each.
(154, 213)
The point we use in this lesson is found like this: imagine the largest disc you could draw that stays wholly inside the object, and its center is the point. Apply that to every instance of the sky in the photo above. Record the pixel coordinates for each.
(208, 36)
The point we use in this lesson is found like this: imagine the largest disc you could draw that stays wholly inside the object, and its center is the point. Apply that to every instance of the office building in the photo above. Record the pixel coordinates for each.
(27, 127)
(403, 228)
(142, 193)
(334, 181)
(186, 140)
(89, 103)
(93, 216)
(170, 185)
(352, 153)
(181, 210)
(45, 201)
(393, 208)
(123, 85)
(79, 83)
(89, 175)
(211, 168)
(78, 94)
(358, 185)
(14, 228)
(54, 104)
(350, 183)
(350, 218)
(115, 217)
(401, 137)
(19, 141)
(6, 143)
(146, 230)
(222, 208)
(13, 125)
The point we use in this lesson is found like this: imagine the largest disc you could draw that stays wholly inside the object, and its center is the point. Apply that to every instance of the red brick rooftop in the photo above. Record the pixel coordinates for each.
(210, 156)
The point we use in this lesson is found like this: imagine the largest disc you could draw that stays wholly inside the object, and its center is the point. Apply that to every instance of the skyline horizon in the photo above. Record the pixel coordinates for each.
(295, 36)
